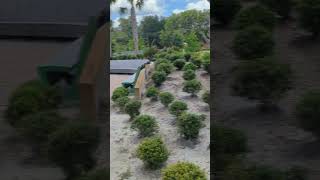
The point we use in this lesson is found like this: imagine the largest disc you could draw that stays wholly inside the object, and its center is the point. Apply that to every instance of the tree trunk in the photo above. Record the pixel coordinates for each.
(134, 29)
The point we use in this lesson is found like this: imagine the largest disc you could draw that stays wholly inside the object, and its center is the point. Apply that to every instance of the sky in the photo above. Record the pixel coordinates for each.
(163, 8)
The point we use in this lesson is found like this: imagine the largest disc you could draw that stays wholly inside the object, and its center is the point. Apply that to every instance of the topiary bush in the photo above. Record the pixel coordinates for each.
(189, 66)
(153, 152)
(149, 53)
(72, 146)
(39, 126)
(119, 92)
(166, 98)
(308, 112)
(122, 101)
(152, 92)
(206, 97)
(283, 8)
(179, 63)
(177, 107)
(98, 174)
(206, 64)
(133, 108)
(196, 60)
(145, 124)
(160, 61)
(159, 77)
(189, 125)
(192, 87)
(255, 15)
(31, 97)
(189, 75)
(187, 56)
(264, 80)
(165, 67)
(253, 42)
(308, 11)
(183, 171)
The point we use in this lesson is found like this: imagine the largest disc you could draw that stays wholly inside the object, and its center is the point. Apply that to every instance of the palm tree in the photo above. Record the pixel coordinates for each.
(133, 19)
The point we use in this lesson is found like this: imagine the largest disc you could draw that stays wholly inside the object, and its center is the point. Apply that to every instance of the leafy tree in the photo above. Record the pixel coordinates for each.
(255, 15)
(264, 80)
(253, 42)
(193, 43)
(150, 28)
(169, 38)
(225, 10)
(309, 15)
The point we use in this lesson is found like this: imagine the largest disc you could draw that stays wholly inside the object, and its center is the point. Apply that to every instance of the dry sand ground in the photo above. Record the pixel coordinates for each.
(274, 138)
(19, 59)
(124, 140)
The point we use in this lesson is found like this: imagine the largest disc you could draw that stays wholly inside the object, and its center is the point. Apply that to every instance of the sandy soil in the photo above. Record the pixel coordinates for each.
(19, 59)
(274, 138)
(124, 141)
(116, 80)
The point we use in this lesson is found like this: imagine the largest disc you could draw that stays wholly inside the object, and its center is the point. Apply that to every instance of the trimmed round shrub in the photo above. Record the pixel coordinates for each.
(174, 56)
(72, 147)
(206, 64)
(31, 97)
(177, 107)
(255, 15)
(283, 8)
(253, 42)
(160, 61)
(309, 15)
(206, 97)
(187, 56)
(308, 112)
(119, 92)
(192, 86)
(183, 171)
(98, 174)
(189, 125)
(39, 126)
(166, 67)
(179, 63)
(152, 92)
(196, 60)
(264, 80)
(166, 98)
(225, 10)
(189, 66)
(122, 101)
(189, 75)
(159, 77)
(149, 53)
(133, 108)
(145, 124)
(153, 152)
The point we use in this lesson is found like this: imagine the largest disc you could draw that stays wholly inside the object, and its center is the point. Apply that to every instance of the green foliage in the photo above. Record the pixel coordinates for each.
(174, 56)
(183, 171)
(159, 77)
(32, 97)
(98, 174)
(179, 63)
(188, 66)
(160, 61)
(189, 75)
(152, 92)
(149, 53)
(309, 15)
(255, 15)
(166, 98)
(308, 112)
(39, 126)
(206, 64)
(72, 146)
(187, 56)
(150, 28)
(282, 8)
(193, 43)
(177, 107)
(206, 97)
(165, 67)
(145, 124)
(119, 92)
(253, 42)
(122, 101)
(264, 80)
(172, 38)
(196, 60)
(189, 125)
(192, 86)
(153, 152)
(133, 108)
(225, 10)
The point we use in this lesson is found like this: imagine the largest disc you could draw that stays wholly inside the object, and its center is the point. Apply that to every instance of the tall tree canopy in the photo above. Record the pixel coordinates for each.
(150, 28)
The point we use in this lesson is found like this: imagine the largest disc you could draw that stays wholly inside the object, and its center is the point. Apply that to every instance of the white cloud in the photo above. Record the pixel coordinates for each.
(151, 7)
(198, 5)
